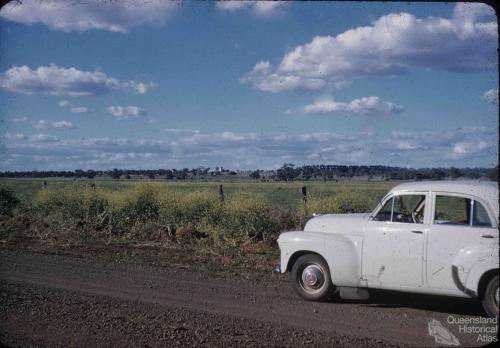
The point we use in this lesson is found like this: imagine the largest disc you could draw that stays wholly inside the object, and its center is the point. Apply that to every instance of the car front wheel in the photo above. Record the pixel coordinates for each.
(311, 279)
(490, 297)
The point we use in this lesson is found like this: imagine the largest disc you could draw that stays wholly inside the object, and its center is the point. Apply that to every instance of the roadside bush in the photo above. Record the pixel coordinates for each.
(150, 231)
(146, 212)
(70, 210)
(8, 200)
(18, 224)
(59, 209)
(185, 233)
(139, 206)
(202, 209)
(248, 216)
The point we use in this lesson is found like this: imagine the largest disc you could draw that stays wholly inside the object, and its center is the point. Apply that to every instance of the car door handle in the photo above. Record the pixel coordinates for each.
(487, 236)
(416, 231)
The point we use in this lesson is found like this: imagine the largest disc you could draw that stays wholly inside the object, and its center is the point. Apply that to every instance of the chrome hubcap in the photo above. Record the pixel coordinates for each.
(313, 278)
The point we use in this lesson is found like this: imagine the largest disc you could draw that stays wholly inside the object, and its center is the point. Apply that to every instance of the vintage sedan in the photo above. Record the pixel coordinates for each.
(425, 237)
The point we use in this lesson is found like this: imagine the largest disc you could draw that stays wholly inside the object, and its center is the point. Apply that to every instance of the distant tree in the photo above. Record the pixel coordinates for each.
(152, 176)
(168, 174)
(437, 174)
(255, 175)
(287, 172)
(455, 173)
(79, 173)
(493, 174)
(307, 172)
(115, 174)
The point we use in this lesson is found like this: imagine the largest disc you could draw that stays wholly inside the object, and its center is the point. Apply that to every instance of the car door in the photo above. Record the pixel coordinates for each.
(458, 222)
(393, 242)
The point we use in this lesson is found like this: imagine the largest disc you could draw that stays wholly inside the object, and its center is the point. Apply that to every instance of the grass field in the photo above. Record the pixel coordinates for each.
(284, 195)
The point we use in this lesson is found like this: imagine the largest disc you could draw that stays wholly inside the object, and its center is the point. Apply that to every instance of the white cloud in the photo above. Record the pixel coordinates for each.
(465, 148)
(42, 138)
(20, 119)
(73, 109)
(78, 109)
(181, 131)
(364, 106)
(142, 88)
(125, 112)
(60, 81)
(391, 45)
(15, 136)
(191, 148)
(491, 96)
(42, 124)
(114, 16)
(260, 8)
(262, 79)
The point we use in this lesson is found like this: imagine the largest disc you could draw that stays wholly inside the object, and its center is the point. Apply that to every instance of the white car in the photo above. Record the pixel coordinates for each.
(434, 237)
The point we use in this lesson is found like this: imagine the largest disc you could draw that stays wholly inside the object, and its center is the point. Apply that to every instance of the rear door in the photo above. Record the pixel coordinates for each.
(458, 221)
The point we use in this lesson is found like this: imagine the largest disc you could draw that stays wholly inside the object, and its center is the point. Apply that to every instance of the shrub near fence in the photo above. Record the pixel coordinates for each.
(149, 212)
(152, 212)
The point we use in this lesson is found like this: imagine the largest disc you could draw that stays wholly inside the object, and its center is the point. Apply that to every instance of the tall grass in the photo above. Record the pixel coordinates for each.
(148, 211)
(345, 201)
(151, 211)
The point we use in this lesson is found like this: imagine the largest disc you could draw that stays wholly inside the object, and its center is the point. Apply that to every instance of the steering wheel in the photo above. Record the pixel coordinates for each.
(414, 217)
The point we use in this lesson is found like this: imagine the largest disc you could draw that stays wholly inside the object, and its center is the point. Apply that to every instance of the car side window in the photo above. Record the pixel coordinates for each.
(385, 213)
(480, 216)
(409, 209)
(403, 208)
(451, 210)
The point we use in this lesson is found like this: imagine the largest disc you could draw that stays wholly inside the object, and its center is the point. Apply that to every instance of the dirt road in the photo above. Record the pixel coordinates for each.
(54, 300)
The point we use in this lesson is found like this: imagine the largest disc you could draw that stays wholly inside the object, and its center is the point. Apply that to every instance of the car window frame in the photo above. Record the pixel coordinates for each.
(466, 196)
(391, 195)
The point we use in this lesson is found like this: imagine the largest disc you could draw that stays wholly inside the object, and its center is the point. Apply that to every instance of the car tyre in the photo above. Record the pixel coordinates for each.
(310, 277)
(490, 297)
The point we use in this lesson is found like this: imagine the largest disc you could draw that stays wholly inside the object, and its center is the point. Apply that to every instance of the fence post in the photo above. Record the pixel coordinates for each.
(304, 194)
(44, 184)
(221, 193)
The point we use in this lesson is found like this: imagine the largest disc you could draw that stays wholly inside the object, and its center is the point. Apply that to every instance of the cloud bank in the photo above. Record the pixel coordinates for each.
(366, 106)
(126, 112)
(260, 8)
(392, 45)
(114, 16)
(42, 124)
(190, 148)
(59, 81)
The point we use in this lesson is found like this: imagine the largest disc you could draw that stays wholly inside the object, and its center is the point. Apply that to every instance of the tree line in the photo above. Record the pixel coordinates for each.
(287, 172)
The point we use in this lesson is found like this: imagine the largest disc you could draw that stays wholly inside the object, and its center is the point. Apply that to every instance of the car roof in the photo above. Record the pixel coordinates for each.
(485, 190)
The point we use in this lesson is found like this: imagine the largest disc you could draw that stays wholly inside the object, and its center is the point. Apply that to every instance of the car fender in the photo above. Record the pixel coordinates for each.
(471, 263)
(342, 253)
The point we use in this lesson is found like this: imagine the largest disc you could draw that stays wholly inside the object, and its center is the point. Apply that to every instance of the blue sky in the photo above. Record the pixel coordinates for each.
(247, 85)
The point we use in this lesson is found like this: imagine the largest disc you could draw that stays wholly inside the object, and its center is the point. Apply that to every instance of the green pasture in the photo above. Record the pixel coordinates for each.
(286, 196)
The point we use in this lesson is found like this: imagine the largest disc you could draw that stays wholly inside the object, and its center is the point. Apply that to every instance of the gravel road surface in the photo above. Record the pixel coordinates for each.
(86, 300)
